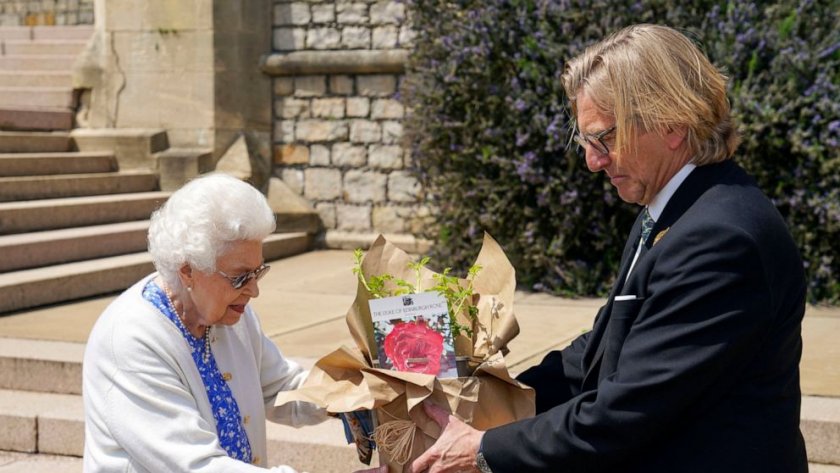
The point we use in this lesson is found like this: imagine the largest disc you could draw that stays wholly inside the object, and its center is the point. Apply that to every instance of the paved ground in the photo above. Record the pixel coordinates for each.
(303, 301)
(302, 305)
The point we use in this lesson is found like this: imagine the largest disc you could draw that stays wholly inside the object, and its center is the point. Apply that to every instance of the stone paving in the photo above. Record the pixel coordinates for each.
(302, 305)
(303, 300)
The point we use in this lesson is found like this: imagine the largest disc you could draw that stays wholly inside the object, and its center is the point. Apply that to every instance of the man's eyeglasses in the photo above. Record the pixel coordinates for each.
(238, 281)
(595, 140)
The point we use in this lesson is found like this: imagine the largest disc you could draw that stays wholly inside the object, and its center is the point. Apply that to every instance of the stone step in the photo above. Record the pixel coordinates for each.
(41, 366)
(33, 250)
(15, 32)
(14, 118)
(57, 98)
(37, 62)
(50, 214)
(54, 423)
(36, 79)
(43, 47)
(22, 188)
(41, 422)
(69, 32)
(35, 142)
(71, 162)
(64, 282)
(16, 462)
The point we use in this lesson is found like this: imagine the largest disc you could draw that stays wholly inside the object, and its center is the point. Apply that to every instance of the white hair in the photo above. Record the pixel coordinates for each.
(199, 221)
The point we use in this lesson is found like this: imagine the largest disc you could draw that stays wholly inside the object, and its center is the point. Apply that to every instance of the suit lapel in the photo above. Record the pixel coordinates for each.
(594, 348)
(698, 182)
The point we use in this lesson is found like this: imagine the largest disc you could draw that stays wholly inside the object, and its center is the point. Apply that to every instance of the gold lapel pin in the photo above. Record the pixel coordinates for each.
(660, 235)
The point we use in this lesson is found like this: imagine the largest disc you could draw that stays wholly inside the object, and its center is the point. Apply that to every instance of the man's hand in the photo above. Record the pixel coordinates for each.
(455, 449)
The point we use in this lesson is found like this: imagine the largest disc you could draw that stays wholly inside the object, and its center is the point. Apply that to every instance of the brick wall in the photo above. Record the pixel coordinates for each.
(338, 135)
(46, 12)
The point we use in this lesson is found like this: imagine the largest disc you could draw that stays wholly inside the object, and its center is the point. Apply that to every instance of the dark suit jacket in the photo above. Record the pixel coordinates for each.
(698, 373)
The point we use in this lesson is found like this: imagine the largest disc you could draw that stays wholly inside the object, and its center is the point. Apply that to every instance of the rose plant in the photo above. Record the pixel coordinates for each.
(414, 346)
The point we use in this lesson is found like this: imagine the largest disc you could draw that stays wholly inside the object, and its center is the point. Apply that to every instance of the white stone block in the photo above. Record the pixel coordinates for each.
(407, 35)
(291, 107)
(387, 11)
(403, 187)
(355, 37)
(353, 217)
(386, 157)
(418, 218)
(285, 155)
(345, 154)
(322, 184)
(62, 436)
(18, 433)
(319, 155)
(284, 131)
(354, 13)
(323, 38)
(296, 13)
(323, 13)
(364, 186)
(328, 108)
(341, 85)
(392, 132)
(289, 39)
(312, 131)
(385, 37)
(358, 107)
(365, 131)
(385, 219)
(310, 86)
(327, 212)
(376, 85)
(387, 108)
(284, 86)
(294, 179)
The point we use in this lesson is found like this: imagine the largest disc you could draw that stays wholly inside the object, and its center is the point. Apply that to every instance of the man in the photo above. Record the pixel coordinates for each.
(692, 364)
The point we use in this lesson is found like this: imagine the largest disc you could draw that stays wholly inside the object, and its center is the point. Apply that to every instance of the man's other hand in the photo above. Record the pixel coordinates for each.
(455, 449)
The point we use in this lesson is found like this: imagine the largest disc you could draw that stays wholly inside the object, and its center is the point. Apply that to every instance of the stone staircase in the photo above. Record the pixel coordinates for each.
(36, 85)
(75, 203)
(42, 414)
(72, 224)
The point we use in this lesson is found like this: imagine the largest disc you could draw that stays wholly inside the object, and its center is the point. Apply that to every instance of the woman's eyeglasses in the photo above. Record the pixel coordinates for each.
(595, 140)
(238, 281)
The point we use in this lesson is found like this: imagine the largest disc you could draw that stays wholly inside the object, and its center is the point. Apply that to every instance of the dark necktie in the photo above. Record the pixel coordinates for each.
(647, 225)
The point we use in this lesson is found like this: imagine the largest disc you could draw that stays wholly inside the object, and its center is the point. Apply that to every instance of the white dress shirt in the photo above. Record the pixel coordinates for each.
(657, 204)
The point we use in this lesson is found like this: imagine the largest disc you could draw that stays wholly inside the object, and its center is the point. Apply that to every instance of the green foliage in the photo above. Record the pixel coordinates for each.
(458, 297)
(489, 128)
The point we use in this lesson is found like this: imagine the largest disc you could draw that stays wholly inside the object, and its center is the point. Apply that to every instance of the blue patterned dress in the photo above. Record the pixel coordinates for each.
(229, 425)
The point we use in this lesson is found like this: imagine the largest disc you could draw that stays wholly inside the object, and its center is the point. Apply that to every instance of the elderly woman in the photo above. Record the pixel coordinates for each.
(178, 375)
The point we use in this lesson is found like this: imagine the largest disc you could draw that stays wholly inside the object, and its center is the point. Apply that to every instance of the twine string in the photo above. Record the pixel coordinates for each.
(395, 439)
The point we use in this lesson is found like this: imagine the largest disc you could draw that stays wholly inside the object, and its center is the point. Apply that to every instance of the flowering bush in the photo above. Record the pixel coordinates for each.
(489, 128)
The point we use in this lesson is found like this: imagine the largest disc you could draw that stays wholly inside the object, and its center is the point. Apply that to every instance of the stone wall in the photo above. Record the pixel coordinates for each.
(337, 114)
(46, 12)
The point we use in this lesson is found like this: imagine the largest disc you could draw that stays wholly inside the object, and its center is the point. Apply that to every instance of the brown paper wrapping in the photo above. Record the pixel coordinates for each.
(345, 380)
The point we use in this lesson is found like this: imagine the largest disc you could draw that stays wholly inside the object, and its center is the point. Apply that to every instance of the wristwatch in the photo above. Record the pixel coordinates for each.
(480, 462)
